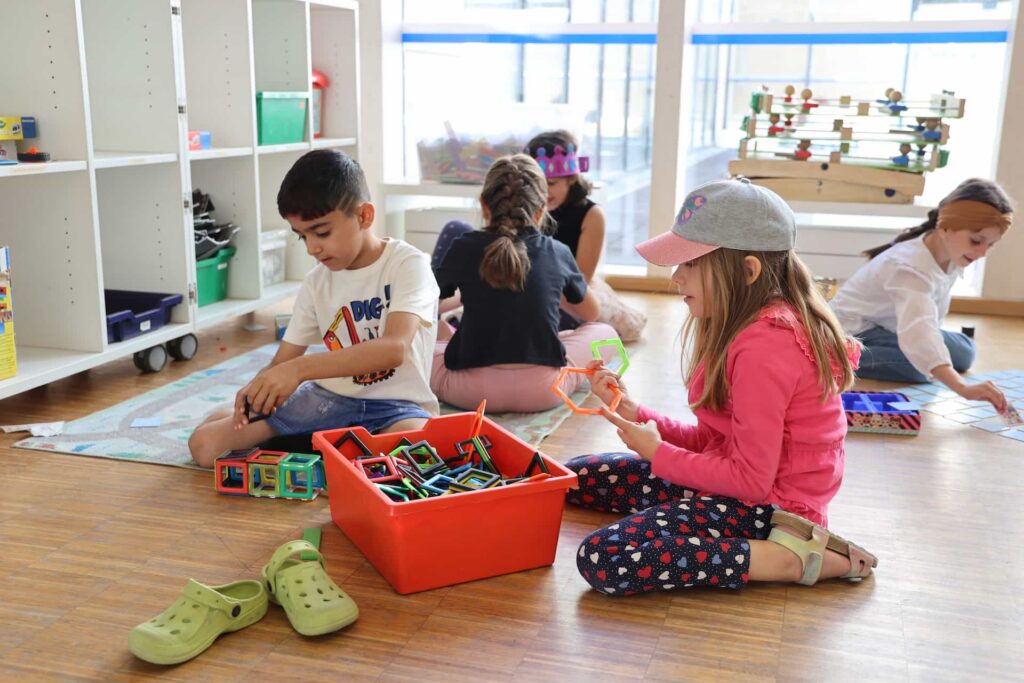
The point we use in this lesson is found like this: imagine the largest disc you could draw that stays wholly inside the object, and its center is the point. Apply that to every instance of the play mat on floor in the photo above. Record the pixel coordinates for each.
(179, 406)
(937, 399)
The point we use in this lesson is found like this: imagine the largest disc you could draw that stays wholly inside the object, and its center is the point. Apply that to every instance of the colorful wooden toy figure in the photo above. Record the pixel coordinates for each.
(806, 95)
(894, 106)
(803, 152)
(903, 159)
(932, 133)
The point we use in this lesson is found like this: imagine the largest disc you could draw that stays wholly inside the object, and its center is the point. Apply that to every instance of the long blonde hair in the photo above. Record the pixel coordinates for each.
(736, 304)
(514, 189)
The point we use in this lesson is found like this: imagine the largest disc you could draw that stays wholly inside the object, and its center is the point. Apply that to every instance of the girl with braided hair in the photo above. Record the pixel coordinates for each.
(513, 278)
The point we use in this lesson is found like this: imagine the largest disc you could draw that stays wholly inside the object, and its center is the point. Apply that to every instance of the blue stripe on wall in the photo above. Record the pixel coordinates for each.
(848, 38)
(713, 38)
(520, 39)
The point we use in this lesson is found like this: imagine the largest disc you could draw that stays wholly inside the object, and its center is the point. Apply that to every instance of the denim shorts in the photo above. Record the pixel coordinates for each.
(312, 408)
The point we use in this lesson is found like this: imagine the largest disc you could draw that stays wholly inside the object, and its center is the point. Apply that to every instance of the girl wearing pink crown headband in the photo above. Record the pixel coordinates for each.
(581, 225)
(513, 279)
(742, 495)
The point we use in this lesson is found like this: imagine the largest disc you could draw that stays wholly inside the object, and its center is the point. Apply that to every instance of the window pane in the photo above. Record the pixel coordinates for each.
(716, 11)
(494, 97)
(972, 71)
(581, 11)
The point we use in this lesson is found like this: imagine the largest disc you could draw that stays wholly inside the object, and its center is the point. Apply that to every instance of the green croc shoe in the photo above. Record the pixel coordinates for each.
(191, 624)
(313, 602)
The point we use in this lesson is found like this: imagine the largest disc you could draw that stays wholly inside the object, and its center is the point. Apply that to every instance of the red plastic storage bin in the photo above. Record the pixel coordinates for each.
(434, 542)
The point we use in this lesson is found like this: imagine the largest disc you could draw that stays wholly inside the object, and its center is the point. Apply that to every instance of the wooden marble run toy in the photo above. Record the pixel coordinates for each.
(882, 413)
(269, 474)
(845, 149)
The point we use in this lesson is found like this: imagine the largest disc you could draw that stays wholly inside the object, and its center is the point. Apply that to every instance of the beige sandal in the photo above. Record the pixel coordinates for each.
(811, 551)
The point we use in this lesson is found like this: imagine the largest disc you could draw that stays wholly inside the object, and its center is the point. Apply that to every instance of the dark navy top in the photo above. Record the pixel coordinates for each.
(505, 326)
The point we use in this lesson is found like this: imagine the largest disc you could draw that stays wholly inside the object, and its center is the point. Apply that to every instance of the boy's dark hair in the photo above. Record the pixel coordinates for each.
(974, 189)
(320, 182)
(579, 190)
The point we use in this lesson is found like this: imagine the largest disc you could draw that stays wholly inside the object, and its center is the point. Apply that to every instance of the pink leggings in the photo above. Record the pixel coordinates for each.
(525, 389)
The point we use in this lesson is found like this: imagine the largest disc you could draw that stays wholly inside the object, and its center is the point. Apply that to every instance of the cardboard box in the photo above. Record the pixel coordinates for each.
(199, 139)
(8, 362)
(10, 128)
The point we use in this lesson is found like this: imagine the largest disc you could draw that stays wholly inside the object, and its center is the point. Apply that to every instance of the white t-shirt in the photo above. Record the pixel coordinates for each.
(904, 291)
(347, 307)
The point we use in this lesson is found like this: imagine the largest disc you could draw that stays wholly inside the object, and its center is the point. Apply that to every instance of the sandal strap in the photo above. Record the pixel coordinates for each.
(859, 556)
(285, 553)
(208, 597)
(811, 551)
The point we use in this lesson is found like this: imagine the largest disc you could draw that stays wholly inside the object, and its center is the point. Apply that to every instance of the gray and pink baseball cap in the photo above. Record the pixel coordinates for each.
(735, 214)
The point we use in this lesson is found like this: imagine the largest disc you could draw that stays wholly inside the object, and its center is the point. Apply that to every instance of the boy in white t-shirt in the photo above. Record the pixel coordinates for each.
(371, 301)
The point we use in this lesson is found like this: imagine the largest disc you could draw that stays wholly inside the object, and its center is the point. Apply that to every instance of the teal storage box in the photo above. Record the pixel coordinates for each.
(212, 277)
(281, 117)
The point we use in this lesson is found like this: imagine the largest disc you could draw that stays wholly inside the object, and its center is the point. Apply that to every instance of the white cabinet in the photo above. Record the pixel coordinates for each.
(115, 85)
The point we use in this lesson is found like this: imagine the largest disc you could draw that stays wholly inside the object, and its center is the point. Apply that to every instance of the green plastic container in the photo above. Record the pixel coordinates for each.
(212, 277)
(281, 117)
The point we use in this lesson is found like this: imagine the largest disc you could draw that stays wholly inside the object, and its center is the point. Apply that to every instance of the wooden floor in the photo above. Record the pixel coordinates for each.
(91, 547)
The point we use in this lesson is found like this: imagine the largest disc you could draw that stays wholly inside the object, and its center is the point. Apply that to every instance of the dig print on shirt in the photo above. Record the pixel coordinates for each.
(361, 320)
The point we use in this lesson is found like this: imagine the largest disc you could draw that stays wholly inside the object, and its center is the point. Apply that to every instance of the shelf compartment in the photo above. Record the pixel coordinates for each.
(40, 46)
(231, 184)
(218, 73)
(280, 47)
(48, 224)
(130, 59)
(335, 53)
(145, 242)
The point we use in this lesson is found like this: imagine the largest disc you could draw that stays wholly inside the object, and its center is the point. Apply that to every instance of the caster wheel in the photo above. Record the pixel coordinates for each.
(183, 348)
(152, 359)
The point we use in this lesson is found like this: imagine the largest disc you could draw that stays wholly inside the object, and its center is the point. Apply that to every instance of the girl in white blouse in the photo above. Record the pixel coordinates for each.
(896, 303)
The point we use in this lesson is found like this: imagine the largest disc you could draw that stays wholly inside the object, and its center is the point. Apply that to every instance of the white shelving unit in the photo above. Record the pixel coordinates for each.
(115, 85)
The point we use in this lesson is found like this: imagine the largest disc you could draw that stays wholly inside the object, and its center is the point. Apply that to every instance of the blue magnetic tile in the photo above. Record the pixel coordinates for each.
(1015, 434)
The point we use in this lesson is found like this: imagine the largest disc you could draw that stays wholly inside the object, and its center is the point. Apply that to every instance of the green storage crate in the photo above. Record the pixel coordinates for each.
(212, 277)
(281, 117)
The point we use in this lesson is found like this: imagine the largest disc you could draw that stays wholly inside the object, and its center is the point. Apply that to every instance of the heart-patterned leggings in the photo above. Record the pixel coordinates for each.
(672, 539)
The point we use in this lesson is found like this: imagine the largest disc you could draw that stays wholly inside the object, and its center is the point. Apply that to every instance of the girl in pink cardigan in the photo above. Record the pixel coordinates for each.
(743, 495)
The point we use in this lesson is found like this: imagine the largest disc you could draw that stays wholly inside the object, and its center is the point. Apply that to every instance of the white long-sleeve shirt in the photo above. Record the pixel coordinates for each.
(903, 290)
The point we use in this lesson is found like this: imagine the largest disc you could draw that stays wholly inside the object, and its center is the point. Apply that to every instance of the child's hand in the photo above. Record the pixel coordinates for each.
(985, 391)
(601, 384)
(269, 389)
(643, 439)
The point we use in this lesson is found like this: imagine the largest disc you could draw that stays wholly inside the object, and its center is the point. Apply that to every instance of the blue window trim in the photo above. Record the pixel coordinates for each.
(713, 38)
(848, 38)
(544, 39)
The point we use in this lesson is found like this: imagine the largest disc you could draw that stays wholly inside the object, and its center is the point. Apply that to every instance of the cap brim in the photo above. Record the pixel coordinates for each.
(669, 249)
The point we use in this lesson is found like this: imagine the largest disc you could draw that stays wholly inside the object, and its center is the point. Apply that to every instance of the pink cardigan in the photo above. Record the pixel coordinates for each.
(774, 441)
